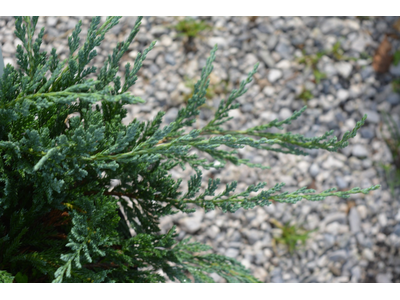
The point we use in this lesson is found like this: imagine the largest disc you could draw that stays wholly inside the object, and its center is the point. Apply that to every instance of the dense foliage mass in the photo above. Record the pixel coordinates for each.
(62, 141)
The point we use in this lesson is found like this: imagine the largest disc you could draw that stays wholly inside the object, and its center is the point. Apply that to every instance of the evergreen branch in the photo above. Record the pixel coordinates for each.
(85, 55)
(236, 201)
(294, 139)
(68, 96)
(221, 115)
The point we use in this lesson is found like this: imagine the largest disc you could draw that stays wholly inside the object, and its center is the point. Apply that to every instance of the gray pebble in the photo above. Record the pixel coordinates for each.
(284, 50)
(170, 59)
(338, 255)
(71, 23)
(154, 69)
(171, 115)
(396, 230)
(354, 220)
(395, 70)
(384, 278)
(332, 25)
(342, 184)
(313, 221)
(366, 72)
(161, 95)
(368, 254)
(372, 116)
(360, 43)
(265, 28)
(329, 240)
(335, 217)
(272, 41)
(356, 273)
(232, 252)
(252, 236)
(367, 133)
(277, 279)
(190, 225)
(266, 57)
(359, 151)
(146, 108)
(260, 259)
(213, 231)
(393, 99)
(341, 117)
(247, 107)
(157, 30)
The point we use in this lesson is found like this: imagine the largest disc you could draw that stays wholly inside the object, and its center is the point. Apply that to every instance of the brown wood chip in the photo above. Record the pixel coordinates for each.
(383, 57)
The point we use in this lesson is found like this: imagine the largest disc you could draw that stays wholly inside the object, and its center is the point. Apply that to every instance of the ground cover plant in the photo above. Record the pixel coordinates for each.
(190, 28)
(392, 171)
(62, 141)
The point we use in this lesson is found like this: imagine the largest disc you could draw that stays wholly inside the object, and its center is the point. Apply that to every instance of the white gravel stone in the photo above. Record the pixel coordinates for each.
(220, 41)
(332, 163)
(343, 95)
(269, 91)
(285, 113)
(8, 48)
(368, 254)
(303, 166)
(382, 219)
(166, 40)
(274, 75)
(52, 21)
(213, 231)
(363, 211)
(8, 60)
(312, 221)
(397, 217)
(332, 228)
(283, 64)
(314, 170)
(344, 68)
(268, 253)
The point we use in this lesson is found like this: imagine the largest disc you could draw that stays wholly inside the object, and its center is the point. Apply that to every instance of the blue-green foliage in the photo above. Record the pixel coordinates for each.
(61, 142)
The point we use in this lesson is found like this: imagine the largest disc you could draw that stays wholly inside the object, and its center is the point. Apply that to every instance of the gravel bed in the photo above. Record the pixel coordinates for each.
(355, 240)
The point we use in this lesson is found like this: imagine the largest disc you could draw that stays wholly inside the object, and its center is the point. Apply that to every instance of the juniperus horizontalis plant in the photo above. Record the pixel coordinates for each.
(60, 219)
